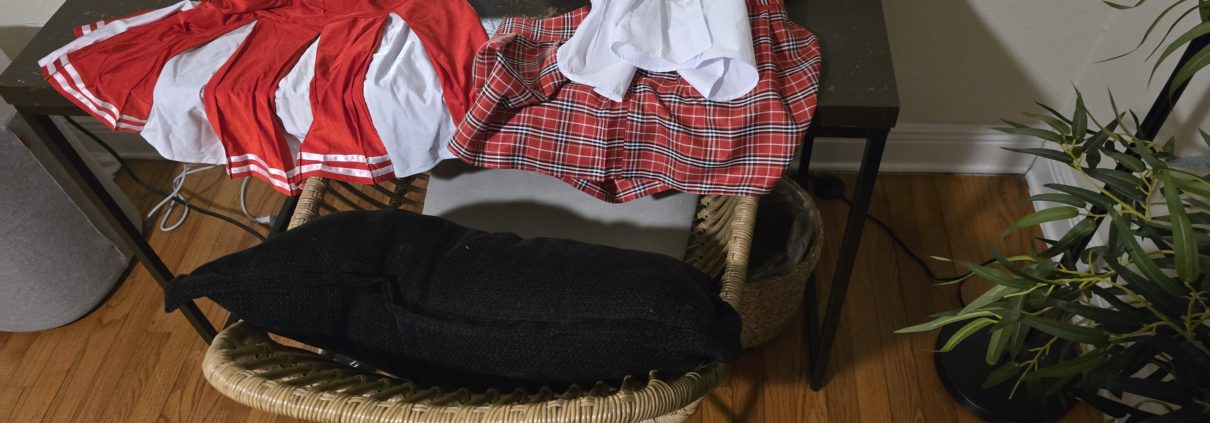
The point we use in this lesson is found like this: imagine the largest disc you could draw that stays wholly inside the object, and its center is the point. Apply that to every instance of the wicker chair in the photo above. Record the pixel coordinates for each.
(244, 364)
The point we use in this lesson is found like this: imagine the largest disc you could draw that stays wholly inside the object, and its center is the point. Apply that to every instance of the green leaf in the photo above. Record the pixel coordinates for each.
(1147, 34)
(1138, 315)
(1199, 60)
(1153, 291)
(1171, 27)
(1143, 261)
(1196, 31)
(1042, 216)
(1116, 321)
(1120, 6)
(1197, 186)
(1103, 135)
(1079, 119)
(1079, 232)
(1080, 364)
(942, 321)
(1070, 332)
(1047, 153)
(1012, 267)
(970, 328)
(1130, 162)
(999, 277)
(1183, 241)
(1055, 197)
(1033, 132)
(1057, 124)
(995, 347)
(1002, 374)
(990, 296)
(1054, 112)
(1120, 182)
(1091, 197)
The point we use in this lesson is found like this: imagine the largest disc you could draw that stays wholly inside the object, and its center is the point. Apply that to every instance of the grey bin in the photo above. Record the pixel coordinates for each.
(55, 265)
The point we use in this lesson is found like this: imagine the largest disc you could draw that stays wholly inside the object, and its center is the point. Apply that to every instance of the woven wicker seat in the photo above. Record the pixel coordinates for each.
(246, 365)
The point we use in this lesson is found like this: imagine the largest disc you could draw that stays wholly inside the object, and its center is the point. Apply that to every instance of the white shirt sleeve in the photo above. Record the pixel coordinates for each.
(727, 69)
(708, 42)
(586, 57)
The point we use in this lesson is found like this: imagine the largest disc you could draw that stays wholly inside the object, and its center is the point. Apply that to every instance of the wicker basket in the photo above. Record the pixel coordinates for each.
(244, 364)
(769, 303)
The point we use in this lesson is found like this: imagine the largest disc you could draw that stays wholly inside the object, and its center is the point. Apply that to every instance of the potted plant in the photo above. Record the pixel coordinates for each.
(1123, 324)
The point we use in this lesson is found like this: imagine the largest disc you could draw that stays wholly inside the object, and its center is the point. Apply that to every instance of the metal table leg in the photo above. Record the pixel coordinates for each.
(804, 156)
(821, 334)
(79, 172)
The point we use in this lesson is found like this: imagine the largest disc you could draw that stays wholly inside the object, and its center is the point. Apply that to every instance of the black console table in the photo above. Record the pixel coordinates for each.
(858, 99)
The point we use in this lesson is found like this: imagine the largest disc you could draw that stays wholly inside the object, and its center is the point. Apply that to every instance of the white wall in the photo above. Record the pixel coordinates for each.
(977, 61)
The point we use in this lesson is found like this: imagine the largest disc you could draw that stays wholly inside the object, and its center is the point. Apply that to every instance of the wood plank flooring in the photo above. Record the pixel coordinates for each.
(128, 361)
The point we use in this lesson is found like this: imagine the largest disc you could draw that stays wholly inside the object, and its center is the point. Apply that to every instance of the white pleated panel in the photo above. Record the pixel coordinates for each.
(406, 104)
(293, 99)
(177, 126)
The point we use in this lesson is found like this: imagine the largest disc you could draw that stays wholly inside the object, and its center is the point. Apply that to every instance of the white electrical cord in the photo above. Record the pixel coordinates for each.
(177, 183)
(243, 205)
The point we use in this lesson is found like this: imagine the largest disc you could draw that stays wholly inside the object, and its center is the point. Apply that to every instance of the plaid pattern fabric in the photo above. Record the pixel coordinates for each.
(662, 135)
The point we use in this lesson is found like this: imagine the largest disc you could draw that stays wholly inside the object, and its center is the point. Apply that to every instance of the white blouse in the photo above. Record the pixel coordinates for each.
(707, 42)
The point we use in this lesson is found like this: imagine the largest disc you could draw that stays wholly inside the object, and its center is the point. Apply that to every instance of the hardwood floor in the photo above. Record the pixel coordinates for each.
(128, 361)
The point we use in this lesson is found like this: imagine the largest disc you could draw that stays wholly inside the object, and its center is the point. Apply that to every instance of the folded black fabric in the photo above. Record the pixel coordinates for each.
(428, 300)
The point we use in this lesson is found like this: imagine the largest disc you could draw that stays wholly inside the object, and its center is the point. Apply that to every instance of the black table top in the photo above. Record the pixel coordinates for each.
(858, 88)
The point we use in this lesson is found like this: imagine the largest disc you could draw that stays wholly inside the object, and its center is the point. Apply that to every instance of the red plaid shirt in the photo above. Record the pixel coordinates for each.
(662, 135)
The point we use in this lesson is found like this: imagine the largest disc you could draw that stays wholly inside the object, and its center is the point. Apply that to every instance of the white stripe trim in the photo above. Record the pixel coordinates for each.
(84, 30)
(272, 179)
(282, 175)
(255, 159)
(237, 171)
(62, 82)
(75, 76)
(356, 158)
(358, 173)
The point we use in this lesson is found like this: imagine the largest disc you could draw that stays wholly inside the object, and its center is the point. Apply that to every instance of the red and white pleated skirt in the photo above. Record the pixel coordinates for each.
(281, 89)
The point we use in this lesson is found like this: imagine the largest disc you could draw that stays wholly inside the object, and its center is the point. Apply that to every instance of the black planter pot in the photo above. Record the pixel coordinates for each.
(963, 371)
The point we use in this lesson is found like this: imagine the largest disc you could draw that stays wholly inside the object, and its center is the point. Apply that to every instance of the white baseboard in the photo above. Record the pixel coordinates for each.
(931, 148)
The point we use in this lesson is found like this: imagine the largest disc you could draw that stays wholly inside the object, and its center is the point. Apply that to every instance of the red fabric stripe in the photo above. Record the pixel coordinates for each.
(342, 122)
(239, 99)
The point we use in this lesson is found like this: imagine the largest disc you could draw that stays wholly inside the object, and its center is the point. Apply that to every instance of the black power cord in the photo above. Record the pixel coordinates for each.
(150, 188)
(830, 187)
